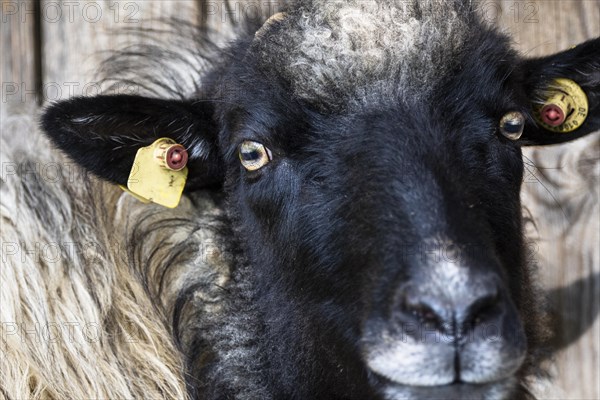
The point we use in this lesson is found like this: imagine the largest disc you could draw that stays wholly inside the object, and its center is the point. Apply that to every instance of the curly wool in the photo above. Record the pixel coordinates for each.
(339, 53)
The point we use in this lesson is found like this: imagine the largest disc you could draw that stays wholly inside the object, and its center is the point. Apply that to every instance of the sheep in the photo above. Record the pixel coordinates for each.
(362, 197)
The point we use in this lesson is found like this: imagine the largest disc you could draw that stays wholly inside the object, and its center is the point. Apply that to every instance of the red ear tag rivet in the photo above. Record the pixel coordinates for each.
(177, 157)
(171, 156)
(553, 114)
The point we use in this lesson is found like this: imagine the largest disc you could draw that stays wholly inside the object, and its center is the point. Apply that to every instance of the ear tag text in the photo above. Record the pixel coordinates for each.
(564, 108)
(159, 173)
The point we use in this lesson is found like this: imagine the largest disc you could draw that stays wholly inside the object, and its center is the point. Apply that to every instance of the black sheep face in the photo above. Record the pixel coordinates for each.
(374, 187)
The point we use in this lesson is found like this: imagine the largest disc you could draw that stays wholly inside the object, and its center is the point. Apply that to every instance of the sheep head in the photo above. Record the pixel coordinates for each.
(371, 157)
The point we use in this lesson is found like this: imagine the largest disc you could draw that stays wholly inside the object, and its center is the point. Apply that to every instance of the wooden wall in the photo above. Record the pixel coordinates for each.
(50, 50)
(562, 193)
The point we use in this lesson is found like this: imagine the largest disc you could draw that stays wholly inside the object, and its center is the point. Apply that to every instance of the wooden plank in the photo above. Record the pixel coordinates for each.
(222, 16)
(17, 33)
(78, 34)
(543, 27)
(562, 194)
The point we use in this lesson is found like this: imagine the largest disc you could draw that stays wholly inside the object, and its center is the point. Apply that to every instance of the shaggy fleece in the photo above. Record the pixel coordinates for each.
(84, 313)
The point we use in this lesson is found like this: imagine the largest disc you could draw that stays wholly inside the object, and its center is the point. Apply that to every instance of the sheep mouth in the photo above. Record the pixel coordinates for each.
(422, 375)
(497, 390)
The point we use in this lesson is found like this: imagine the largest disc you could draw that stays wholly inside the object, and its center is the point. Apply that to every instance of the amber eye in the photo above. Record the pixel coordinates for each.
(512, 125)
(254, 155)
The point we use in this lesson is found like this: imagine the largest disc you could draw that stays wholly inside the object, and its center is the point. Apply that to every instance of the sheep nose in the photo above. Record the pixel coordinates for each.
(453, 311)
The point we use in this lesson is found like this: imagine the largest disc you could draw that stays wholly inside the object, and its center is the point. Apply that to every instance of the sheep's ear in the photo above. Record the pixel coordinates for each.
(104, 133)
(581, 65)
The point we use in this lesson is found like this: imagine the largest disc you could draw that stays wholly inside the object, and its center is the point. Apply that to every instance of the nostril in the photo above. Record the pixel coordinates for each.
(451, 313)
(421, 313)
(483, 310)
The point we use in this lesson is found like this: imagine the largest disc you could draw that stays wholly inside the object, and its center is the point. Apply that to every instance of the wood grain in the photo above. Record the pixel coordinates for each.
(76, 43)
(562, 193)
(18, 51)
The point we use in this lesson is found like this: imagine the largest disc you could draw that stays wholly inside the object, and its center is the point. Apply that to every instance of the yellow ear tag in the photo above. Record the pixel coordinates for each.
(564, 108)
(159, 173)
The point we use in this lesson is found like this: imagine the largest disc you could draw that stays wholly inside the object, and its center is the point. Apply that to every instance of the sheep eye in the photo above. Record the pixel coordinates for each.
(512, 125)
(254, 155)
